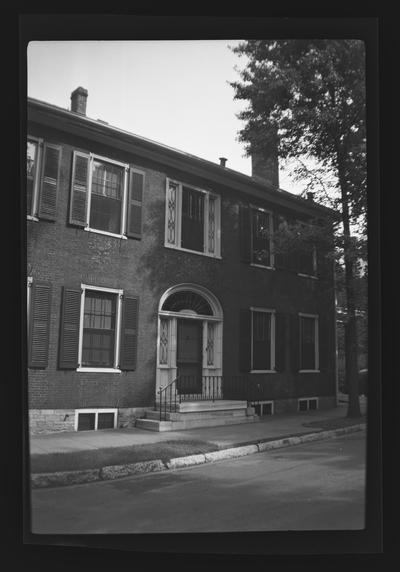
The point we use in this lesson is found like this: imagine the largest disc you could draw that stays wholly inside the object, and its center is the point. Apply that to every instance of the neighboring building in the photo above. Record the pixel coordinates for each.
(145, 263)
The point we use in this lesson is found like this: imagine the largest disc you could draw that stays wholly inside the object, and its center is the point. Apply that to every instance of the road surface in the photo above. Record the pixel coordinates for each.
(314, 486)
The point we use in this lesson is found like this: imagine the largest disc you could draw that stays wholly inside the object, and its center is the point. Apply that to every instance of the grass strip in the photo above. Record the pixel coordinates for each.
(96, 458)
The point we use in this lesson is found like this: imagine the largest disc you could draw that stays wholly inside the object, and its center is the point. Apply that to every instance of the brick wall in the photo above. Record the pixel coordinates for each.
(64, 255)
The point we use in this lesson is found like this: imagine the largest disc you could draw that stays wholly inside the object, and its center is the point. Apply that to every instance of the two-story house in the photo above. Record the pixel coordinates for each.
(146, 265)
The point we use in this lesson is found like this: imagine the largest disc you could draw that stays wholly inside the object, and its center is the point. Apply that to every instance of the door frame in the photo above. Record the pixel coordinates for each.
(212, 337)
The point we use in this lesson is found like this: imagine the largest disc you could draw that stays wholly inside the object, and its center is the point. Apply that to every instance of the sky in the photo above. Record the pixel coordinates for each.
(174, 92)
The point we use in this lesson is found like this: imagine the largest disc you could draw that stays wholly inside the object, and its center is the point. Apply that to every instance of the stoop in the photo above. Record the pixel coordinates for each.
(193, 414)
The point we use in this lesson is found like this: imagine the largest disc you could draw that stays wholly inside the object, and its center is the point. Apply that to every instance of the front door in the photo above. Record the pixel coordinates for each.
(189, 356)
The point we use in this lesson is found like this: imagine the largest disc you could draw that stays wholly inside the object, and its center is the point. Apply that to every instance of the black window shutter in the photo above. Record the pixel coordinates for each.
(245, 340)
(69, 328)
(79, 189)
(245, 233)
(135, 200)
(295, 342)
(49, 182)
(280, 257)
(39, 330)
(280, 341)
(326, 342)
(129, 333)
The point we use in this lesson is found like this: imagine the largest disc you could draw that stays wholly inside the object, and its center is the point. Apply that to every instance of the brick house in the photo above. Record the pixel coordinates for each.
(145, 264)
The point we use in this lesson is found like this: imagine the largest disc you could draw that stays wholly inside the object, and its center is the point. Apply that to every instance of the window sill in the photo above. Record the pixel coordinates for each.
(307, 275)
(309, 371)
(262, 266)
(95, 231)
(178, 248)
(99, 369)
(31, 217)
(263, 371)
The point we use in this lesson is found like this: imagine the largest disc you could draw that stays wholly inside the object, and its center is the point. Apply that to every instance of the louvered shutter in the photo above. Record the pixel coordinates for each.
(326, 341)
(280, 341)
(79, 189)
(135, 200)
(245, 340)
(69, 328)
(280, 261)
(295, 342)
(129, 333)
(245, 233)
(49, 182)
(39, 330)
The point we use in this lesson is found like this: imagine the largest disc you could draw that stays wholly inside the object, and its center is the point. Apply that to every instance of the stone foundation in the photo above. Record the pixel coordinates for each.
(57, 420)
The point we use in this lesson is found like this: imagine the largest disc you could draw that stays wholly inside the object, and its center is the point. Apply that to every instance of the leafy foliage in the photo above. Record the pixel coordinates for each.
(306, 98)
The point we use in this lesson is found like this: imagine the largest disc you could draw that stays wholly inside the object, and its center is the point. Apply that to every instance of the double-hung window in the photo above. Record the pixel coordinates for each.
(261, 229)
(309, 348)
(262, 340)
(99, 331)
(106, 196)
(42, 178)
(32, 175)
(192, 219)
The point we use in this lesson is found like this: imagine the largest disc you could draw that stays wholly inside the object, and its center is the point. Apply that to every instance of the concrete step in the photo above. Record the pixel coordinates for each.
(186, 422)
(178, 416)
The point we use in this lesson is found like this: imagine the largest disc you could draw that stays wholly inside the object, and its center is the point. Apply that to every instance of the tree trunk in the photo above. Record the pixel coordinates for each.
(351, 349)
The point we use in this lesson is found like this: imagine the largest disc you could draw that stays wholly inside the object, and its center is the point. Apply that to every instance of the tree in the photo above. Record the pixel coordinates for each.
(307, 100)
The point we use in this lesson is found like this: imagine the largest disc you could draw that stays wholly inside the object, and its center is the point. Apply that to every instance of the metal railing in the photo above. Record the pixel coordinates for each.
(206, 388)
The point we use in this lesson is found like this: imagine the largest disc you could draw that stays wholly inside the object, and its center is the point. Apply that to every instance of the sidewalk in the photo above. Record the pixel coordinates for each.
(202, 442)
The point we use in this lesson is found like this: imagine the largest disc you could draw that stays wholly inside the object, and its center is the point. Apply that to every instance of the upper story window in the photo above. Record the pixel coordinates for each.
(261, 228)
(255, 231)
(192, 219)
(42, 179)
(106, 196)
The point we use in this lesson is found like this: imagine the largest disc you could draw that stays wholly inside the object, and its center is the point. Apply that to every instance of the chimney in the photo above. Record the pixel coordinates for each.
(265, 168)
(222, 161)
(78, 100)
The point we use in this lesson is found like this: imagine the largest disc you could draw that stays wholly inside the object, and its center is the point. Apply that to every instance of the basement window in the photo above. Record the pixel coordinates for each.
(95, 419)
(308, 404)
(263, 408)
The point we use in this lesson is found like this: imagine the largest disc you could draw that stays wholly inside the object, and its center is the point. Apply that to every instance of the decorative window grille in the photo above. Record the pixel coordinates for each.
(172, 194)
(210, 343)
(163, 341)
(211, 225)
(192, 219)
(187, 300)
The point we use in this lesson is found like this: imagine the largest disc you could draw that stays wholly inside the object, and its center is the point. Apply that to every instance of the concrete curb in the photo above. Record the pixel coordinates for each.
(65, 478)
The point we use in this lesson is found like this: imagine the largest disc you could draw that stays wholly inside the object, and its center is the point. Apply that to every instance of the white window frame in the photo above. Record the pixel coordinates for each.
(273, 329)
(316, 345)
(35, 191)
(271, 265)
(119, 294)
(178, 220)
(308, 399)
(93, 157)
(96, 411)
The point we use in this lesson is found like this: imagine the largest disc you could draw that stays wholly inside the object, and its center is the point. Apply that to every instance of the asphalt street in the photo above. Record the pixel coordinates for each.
(314, 486)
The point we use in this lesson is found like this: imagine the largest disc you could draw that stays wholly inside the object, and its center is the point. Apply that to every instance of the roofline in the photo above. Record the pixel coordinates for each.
(150, 148)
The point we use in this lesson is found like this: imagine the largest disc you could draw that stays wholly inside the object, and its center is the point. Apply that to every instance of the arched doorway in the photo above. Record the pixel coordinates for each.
(189, 341)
